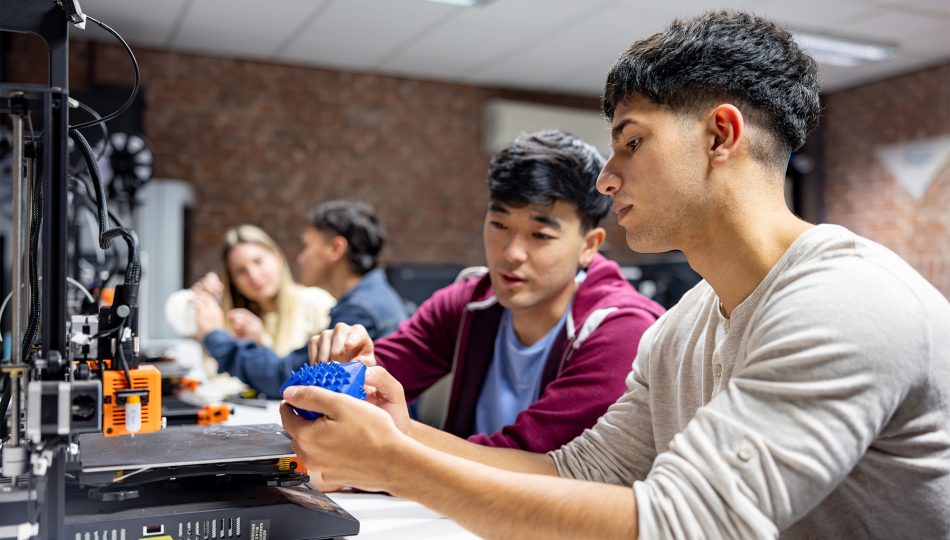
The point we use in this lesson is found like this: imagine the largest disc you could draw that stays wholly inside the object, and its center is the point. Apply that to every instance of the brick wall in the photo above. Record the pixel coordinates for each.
(861, 194)
(264, 143)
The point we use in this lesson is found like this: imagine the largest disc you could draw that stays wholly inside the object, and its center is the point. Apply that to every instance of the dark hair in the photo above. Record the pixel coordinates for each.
(738, 57)
(548, 166)
(357, 223)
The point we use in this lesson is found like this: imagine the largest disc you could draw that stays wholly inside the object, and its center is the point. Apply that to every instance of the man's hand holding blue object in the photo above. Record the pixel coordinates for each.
(343, 378)
(352, 442)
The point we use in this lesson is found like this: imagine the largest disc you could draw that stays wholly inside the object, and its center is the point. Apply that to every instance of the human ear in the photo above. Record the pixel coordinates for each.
(338, 247)
(726, 130)
(593, 239)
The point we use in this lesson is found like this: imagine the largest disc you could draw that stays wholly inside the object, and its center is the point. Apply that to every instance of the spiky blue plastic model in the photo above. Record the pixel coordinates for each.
(347, 378)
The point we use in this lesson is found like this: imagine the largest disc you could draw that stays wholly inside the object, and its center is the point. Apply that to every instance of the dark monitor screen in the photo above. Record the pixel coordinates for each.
(663, 282)
(416, 283)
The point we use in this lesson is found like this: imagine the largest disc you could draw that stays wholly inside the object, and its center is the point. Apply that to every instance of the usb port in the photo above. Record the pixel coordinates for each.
(153, 530)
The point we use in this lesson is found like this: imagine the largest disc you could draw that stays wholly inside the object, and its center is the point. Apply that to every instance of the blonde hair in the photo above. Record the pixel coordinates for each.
(286, 300)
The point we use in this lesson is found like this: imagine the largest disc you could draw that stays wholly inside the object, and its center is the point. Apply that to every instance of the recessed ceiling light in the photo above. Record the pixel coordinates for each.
(835, 51)
(463, 3)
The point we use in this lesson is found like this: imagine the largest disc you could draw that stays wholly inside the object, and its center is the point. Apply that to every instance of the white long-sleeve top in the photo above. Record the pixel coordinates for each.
(819, 409)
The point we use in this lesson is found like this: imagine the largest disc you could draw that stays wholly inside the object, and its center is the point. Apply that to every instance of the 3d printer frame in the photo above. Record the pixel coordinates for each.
(32, 502)
(81, 375)
(53, 385)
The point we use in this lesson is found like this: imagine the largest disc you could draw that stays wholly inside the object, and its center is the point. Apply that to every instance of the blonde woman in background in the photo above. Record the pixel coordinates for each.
(255, 297)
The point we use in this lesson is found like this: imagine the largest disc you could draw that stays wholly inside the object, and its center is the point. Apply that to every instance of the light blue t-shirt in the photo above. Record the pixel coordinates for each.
(514, 378)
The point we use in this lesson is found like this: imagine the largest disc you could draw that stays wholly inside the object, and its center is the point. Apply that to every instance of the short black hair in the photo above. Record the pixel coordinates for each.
(548, 166)
(733, 56)
(356, 221)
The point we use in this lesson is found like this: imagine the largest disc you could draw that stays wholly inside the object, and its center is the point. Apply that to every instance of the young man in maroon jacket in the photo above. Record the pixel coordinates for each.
(540, 342)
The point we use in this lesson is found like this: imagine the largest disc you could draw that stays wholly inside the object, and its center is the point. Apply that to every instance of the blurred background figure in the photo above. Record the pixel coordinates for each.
(341, 244)
(254, 296)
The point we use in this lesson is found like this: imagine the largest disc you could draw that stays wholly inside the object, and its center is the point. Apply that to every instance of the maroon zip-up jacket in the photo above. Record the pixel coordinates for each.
(584, 374)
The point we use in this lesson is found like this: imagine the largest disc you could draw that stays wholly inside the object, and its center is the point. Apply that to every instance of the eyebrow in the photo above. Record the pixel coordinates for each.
(547, 220)
(618, 129)
(544, 219)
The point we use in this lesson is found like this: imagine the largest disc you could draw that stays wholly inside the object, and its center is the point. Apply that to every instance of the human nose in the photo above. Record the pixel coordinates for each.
(254, 273)
(608, 182)
(515, 252)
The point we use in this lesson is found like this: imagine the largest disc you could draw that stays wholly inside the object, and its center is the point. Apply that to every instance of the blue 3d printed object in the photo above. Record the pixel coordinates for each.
(345, 378)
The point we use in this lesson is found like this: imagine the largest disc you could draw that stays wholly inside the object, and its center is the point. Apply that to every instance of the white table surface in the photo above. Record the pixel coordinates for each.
(380, 516)
(384, 517)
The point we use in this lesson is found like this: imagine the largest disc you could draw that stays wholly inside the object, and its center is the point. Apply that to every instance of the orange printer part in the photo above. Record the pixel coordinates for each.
(213, 414)
(146, 378)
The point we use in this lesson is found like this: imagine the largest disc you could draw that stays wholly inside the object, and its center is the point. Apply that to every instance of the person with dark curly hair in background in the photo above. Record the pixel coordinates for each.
(342, 243)
(800, 390)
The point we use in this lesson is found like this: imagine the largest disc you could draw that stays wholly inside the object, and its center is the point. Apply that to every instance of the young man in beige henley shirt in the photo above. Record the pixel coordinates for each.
(801, 390)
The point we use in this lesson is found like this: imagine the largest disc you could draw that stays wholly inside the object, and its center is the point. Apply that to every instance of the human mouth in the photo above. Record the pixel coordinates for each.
(260, 288)
(621, 210)
(512, 281)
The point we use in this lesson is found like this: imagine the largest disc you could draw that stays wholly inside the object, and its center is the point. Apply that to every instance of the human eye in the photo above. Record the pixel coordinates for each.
(542, 236)
(497, 225)
(633, 144)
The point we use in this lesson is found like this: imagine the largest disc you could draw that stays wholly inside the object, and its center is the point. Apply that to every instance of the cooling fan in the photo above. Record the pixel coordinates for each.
(127, 164)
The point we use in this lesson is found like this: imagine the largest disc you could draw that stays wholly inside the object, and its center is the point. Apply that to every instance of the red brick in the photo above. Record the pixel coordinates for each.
(265, 142)
(860, 192)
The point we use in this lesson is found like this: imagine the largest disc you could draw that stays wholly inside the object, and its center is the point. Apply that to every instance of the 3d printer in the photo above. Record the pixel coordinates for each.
(84, 453)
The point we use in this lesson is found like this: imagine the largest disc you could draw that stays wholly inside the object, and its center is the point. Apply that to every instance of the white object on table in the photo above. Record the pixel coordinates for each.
(180, 313)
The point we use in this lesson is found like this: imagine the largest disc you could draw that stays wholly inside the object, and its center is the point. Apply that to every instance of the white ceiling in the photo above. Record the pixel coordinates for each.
(552, 45)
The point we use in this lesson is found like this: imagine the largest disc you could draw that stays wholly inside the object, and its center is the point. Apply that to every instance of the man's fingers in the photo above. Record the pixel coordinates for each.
(313, 346)
(319, 348)
(338, 345)
(352, 344)
(323, 347)
(317, 481)
(367, 360)
(377, 375)
(387, 387)
(316, 399)
(289, 419)
(341, 344)
(357, 336)
(372, 395)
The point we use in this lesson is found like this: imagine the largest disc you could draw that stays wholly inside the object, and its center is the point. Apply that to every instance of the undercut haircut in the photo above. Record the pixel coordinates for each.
(725, 57)
(356, 221)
